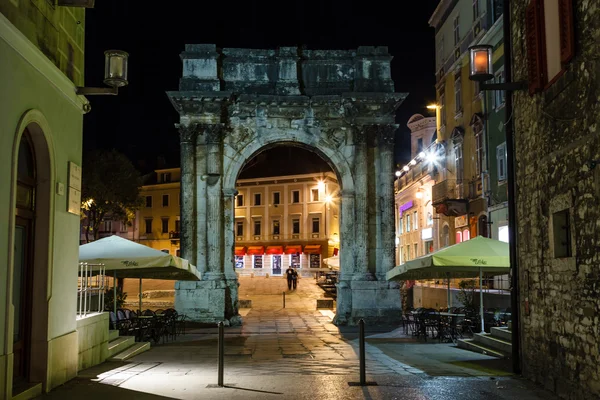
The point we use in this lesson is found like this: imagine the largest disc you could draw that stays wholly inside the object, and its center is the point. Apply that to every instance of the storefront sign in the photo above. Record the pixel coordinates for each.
(427, 233)
(405, 206)
(461, 221)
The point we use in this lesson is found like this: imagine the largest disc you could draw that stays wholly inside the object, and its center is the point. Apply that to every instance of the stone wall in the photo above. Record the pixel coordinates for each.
(557, 152)
(92, 334)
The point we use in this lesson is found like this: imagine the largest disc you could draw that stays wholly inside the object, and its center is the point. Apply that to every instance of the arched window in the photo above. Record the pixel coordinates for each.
(445, 236)
(459, 237)
(466, 235)
(483, 226)
(26, 174)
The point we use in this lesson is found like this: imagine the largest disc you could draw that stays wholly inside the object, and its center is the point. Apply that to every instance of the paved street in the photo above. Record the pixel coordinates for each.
(297, 353)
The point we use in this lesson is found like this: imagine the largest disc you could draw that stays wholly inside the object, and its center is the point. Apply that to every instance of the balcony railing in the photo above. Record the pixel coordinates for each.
(447, 189)
(173, 235)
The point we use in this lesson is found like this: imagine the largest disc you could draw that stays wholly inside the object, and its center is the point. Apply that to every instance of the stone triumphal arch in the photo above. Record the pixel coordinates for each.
(341, 104)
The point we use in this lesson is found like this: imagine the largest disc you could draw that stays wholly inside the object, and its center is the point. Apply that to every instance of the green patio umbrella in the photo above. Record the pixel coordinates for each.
(463, 260)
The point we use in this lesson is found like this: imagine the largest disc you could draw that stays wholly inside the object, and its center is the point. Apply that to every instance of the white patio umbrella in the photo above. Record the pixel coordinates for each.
(129, 259)
(333, 262)
(463, 260)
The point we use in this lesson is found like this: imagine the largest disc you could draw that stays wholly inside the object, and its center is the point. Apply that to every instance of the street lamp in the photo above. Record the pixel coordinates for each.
(115, 74)
(481, 70)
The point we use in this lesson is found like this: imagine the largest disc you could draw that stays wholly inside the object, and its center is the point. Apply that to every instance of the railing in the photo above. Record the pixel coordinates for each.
(174, 235)
(446, 189)
(90, 291)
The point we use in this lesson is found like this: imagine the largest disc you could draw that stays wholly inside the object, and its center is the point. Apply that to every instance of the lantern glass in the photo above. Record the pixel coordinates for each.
(115, 68)
(480, 63)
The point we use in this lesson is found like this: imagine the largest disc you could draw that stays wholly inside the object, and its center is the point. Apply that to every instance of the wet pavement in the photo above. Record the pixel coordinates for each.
(297, 353)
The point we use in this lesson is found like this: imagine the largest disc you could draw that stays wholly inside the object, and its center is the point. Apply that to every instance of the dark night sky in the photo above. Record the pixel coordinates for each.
(139, 121)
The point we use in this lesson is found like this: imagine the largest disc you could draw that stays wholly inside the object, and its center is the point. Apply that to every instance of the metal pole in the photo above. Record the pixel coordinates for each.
(115, 294)
(361, 341)
(481, 299)
(283, 299)
(221, 353)
(140, 296)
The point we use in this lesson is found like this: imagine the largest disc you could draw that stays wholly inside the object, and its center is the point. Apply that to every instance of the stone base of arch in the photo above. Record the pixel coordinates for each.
(209, 301)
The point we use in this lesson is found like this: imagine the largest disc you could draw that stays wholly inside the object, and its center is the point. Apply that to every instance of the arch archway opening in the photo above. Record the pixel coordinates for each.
(286, 225)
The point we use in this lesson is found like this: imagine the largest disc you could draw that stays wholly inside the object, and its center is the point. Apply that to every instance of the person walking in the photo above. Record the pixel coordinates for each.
(294, 279)
(289, 274)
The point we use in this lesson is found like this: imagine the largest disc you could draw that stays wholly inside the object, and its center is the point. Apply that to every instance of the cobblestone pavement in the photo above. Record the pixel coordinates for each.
(296, 353)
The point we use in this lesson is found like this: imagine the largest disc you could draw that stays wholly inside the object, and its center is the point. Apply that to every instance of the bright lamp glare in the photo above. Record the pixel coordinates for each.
(431, 157)
(406, 168)
(321, 185)
(398, 173)
(422, 154)
(328, 198)
(432, 106)
(412, 162)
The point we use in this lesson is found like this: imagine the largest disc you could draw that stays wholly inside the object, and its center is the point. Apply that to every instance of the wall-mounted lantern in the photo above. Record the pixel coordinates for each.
(115, 74)
(481, 70)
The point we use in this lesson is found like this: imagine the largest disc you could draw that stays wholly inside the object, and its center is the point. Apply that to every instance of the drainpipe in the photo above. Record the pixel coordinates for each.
(510, 169)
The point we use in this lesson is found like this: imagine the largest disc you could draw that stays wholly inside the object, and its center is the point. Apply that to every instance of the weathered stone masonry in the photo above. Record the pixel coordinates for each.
(234, 103)
(557, 141)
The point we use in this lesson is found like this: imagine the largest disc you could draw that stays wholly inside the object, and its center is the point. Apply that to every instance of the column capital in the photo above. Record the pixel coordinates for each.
(189, 132)
(213, 132)
(230, 192)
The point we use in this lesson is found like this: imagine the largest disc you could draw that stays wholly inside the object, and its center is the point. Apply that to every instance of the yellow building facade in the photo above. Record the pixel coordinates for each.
(279, 221)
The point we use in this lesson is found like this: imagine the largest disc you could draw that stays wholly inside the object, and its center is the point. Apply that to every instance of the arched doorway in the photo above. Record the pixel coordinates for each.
(333, 103)
(23, 267)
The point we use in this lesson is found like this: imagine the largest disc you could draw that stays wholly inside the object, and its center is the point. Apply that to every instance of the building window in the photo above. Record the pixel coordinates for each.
(123, 226)
(466, 235)
(429, 246)
(295, 196)
(257, 227)
(149, 201)
(257, 261)
(562, 234)
(257, 199)
(407, 223)
(165, 225)
(445, 236)
(440, 53)
(239, 228)
(458, 163)
(165, 177)
(499, 95)
(415, 220)
(457, 94)
(475, 10)
(240, 200)
(296, 226)
(276, 198)
(459, 237)
(107, 225)
(148, 225)
(416, 250)
(165, 200)
(550, 40)
(315, 225)
(314, 194)
(419, 145)
(429, 219)
(442, 109)
(177, 225)
(239, 261)
(479, 151)
(501, 161)
(276, 227)
(178, 252)
(456, 30)
(401, 226)
(407, 252)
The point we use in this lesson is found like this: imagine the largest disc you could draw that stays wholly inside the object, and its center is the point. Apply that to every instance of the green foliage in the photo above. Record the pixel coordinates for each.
(109, 298)
(466, 295)
(110, 188)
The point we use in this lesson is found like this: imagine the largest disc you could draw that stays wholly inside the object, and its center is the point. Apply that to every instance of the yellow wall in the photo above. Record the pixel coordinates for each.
(59, 32)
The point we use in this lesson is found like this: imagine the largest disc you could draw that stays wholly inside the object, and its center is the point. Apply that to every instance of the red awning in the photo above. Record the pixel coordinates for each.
(293, 249)
(312, 249)
(240, 251)
(256, 250)
(274, 249)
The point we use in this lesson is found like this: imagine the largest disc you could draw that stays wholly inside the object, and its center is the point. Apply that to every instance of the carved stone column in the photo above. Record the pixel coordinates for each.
(187, 136)
(343, 311)
(201, 177)
(214, 206)
(385, 185)
(229, 237)
(361, 225)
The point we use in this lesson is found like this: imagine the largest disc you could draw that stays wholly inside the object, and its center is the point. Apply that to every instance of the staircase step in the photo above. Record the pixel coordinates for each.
(502, 333)
(120, 344)
(469, 344)
(487, 340)
(113, 334)
(131, 351)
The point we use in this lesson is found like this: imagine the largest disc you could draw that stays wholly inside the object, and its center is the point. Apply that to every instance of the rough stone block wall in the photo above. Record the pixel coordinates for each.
(557, 151)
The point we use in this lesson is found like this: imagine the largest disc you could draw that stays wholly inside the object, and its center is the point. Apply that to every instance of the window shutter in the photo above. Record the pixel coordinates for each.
(534, 32)
(567, 31)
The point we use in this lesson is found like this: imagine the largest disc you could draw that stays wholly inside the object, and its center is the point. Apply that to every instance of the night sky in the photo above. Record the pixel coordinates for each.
(140, 120)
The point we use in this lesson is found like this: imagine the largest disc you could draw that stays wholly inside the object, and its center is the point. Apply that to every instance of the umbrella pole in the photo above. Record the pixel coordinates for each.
(115, 294)
(481, 299)
(140, 296)
(449, 295)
